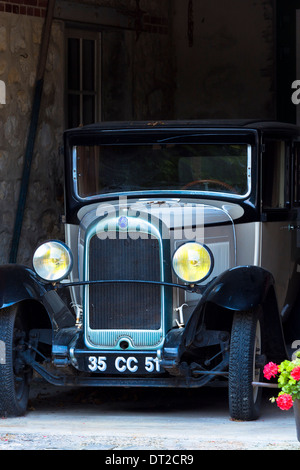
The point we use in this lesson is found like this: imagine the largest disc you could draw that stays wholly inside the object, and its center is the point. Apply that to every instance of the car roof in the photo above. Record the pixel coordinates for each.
(200, 124)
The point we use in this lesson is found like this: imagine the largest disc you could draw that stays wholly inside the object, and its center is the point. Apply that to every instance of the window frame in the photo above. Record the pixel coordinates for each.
(287, 178)
(141, 192)
(83, 34)
(296, 174)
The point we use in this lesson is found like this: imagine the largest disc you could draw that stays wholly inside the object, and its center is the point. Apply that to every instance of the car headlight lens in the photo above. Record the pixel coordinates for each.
(192, 262)
(52, 261)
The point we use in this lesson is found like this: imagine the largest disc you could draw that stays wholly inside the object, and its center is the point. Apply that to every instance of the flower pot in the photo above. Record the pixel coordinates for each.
(296, 407)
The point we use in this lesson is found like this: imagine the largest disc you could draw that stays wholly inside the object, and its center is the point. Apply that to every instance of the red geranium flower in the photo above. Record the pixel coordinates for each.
(270, 370)
(284, 401)
(295, 373)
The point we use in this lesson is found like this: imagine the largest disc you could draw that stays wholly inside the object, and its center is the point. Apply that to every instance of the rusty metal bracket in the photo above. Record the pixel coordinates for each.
(264, 384)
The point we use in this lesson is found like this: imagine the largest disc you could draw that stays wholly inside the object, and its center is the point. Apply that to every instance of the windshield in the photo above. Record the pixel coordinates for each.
(105, 169)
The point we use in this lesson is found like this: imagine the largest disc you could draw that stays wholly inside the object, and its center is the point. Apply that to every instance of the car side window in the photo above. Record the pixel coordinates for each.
(275, 175)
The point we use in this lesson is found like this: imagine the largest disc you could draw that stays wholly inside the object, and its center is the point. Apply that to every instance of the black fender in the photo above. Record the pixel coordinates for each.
(19, 283)
(241, 289)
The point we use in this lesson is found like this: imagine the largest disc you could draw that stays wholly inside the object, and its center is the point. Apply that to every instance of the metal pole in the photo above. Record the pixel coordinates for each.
(264, 384)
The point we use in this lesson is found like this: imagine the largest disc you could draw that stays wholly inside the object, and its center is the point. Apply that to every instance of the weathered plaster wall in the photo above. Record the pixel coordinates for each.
(20, 38)
(143, 83)
(140, 64)
(230, 69)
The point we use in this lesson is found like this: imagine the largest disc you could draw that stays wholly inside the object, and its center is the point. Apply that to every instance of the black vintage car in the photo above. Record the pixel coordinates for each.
(181, 257)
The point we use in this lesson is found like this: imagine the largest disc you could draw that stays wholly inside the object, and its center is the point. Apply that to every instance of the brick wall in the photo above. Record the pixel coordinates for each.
(24, 7)
(151, 24)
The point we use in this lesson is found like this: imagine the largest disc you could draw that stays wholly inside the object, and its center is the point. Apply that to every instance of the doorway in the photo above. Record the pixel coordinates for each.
(298, 60)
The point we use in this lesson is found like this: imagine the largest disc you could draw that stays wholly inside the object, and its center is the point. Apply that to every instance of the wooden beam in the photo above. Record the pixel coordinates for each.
(96, 15)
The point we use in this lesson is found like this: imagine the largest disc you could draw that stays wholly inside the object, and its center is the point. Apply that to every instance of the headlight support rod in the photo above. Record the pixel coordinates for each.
(188, 288)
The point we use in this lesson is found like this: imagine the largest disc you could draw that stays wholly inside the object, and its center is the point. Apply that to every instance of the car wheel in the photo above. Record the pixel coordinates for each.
(246, 352)
(15, 375)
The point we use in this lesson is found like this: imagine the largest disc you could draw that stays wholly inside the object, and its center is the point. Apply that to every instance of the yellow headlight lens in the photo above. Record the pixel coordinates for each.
(192, 262)
(52, 261)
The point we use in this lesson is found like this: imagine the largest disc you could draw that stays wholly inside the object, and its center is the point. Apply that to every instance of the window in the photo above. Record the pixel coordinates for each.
(296, 174)
(83, 77)
(275, 169)
(209, 168)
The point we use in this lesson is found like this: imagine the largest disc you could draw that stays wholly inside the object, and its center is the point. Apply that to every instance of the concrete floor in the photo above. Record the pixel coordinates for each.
(139, 419)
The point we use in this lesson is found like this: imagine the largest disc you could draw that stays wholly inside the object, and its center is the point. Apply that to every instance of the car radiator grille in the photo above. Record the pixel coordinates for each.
(128, 306)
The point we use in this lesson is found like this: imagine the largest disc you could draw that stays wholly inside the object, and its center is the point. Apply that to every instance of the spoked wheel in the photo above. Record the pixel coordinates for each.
(245, 365)
(14, 374)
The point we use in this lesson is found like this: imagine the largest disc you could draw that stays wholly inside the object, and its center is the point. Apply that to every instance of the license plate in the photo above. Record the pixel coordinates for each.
(124, 364)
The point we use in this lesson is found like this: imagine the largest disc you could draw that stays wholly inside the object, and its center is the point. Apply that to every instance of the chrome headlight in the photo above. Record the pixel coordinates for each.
(192, 262)
(52, 261)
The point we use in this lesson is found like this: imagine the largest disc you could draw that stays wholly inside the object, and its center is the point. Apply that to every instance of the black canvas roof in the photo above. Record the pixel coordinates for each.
(203, 124)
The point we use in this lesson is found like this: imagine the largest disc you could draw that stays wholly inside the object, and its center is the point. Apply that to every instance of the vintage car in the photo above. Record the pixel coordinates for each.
(180, 264)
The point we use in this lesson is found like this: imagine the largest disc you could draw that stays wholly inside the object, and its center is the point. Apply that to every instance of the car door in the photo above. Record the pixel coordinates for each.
(295, 225)
(279, 234)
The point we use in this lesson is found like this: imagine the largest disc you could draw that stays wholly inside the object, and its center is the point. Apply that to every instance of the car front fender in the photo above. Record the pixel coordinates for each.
(241, 289)
(18, 283)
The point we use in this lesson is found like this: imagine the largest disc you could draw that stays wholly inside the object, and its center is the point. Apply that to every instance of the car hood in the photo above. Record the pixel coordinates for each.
(174, 214)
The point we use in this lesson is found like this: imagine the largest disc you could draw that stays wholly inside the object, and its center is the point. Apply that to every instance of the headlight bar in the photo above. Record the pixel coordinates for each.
(188, 288)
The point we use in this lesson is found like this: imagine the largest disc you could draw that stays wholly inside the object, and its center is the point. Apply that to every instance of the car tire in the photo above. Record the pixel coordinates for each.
(246, 348)
(14, 374)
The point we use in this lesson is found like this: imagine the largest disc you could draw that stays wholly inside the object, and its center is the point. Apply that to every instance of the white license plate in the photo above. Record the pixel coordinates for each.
(124, 363)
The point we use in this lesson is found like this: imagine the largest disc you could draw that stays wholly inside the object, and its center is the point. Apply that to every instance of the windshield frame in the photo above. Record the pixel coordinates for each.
(145, 132)
(159, 192)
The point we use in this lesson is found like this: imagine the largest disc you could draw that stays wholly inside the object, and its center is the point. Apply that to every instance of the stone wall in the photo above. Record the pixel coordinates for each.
(140, 62)
(143, 83)
(136, 84)
(20, 38)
